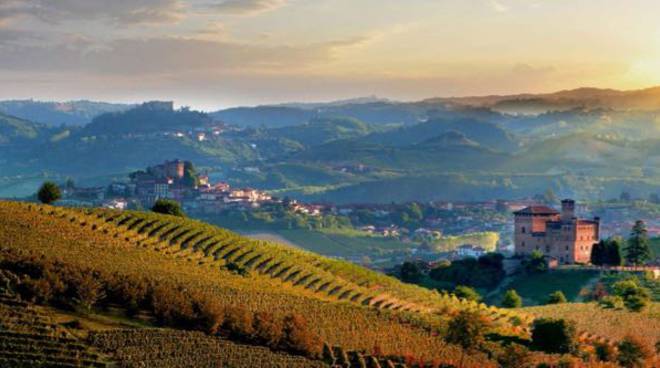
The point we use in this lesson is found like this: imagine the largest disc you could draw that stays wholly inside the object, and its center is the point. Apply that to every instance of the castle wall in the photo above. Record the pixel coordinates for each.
(567, 241)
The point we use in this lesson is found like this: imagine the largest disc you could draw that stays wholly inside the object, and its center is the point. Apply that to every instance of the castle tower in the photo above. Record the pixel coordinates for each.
(567, 210)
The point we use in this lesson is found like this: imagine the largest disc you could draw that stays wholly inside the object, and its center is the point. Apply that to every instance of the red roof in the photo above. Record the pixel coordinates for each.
(537, 210)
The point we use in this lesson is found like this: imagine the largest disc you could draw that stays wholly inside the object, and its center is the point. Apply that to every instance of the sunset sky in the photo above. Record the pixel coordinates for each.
(213, 53)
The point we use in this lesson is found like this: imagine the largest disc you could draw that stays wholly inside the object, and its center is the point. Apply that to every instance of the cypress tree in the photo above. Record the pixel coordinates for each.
(597, 253)
(638, 250)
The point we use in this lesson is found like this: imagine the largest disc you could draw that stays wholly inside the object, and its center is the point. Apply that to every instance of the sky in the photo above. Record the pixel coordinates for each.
(211, 54)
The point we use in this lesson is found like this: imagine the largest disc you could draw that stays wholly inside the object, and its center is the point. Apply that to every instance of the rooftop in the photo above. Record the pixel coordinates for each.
(537, 210)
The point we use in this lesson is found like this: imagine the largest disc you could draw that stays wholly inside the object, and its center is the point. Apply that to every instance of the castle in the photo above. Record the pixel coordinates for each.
(559, 236)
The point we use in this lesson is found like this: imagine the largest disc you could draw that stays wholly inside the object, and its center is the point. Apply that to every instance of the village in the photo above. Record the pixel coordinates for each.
(421, 225)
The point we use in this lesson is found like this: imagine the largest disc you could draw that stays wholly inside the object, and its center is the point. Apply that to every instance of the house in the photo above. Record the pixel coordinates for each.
(560, 236)
(116, 204)
(468, 250)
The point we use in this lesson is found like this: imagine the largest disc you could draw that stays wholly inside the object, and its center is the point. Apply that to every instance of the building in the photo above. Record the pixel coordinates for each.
(468, 250)
(559, 236)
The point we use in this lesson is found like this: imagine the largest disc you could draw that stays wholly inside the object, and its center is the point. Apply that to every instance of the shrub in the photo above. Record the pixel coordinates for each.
(467, 330)
(554, 336)
(635, 297)
(467, 292)
(514, 356)
(611, 302)
(239, 323)
(268, 329)
(210, 315)
(172, 307)
(168, 207)
(632, 352)
(511, 299)
(604, 352)
(299, 338)
(557, 297)
(87, 289)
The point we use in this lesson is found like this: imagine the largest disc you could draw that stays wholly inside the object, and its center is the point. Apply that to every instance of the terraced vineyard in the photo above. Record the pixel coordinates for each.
(28, 338)
(325, 278)
(165, 348)
(346, 306)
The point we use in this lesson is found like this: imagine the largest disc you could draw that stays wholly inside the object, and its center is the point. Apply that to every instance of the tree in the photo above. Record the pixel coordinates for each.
(598, 252)
(467, 292)
(467, 330)
(536, 263)
(511, 299)
(410, 272)
(190, 176)
(557, 297)
(555, 336)
(168, 207)
(49, 193)
(638, 250)
(613, 254)
(632, 352)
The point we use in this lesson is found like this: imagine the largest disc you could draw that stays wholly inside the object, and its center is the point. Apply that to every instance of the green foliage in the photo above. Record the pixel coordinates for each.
(49, 192)
(466, 292)
(536, 263)
(556, 298)
(467, 330)
(410, 272)
(611, 302)
(632, 353)
(556, 336)
(635, 297)
(487, 271)
(604, 352)
(511, 299)
(168, 207)
(607, 252)
(638, 250)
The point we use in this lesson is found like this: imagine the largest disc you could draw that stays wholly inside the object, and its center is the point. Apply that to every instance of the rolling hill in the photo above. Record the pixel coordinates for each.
(349, 306)
(59, 113)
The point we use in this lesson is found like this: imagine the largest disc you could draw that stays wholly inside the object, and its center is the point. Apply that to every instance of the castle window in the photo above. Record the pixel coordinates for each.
(523, 244)
(522, 230)
(567, 247)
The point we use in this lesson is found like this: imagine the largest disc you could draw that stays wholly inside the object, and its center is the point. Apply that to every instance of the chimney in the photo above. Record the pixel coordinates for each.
(567, 209)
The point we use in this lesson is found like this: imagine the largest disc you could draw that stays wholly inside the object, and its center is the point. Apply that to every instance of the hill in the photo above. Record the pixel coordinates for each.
(485, 133)
(59, 113)
(106, 279)
(643, 99)
(14, 129)
(350, 306)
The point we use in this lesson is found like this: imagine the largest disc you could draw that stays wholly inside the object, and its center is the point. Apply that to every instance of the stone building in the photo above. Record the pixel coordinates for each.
(559, 236)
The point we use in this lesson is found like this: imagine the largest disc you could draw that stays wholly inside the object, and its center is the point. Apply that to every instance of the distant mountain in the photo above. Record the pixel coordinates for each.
(13, 128)
(485, 133)
(593, 98)
(322, 130)
(350, 101)
(59, 113)
(150, 117)
(381, 113)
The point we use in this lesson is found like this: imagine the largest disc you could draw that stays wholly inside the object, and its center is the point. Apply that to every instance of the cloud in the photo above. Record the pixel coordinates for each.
(165, 56)
(498, 6)
(248, 7)
(116, 11)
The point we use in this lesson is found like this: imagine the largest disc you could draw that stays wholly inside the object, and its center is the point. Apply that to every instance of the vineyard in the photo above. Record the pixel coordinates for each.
(29, 338)
(609, 324)
(363, 315)
(171, 348)
(346, 306)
